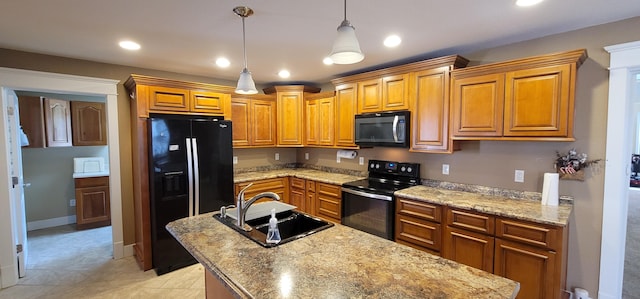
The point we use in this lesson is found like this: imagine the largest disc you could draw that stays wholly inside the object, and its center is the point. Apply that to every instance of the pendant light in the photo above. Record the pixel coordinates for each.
(346, 49)
(245, 82)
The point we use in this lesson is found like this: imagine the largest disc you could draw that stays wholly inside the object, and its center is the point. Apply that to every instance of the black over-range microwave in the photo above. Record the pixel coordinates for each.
(382, 129)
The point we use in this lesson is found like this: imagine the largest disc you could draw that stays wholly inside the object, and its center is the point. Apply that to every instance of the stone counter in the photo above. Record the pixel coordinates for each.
(303, 173)
(523, 209)
(338, 262)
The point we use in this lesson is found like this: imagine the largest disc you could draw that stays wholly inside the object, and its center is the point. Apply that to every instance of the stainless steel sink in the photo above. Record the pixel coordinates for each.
(292, 225)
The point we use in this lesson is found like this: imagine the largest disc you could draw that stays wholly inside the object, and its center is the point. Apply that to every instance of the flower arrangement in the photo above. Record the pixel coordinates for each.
(572, 163)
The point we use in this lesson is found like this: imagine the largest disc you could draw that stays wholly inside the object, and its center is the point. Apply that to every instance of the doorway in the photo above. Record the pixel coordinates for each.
(15, 79)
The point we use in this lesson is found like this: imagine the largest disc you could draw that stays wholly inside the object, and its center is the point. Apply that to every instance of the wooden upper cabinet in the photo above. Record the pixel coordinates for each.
(312, 131)
(89, 123)
(168, 99)
(254, 122)
(320, 119)
(384, 94)
(209, 102)
(370, 96)
(57, 114)
(525, 99)
(32, 120)
(345, 105)
(290, 113)
(478, 106)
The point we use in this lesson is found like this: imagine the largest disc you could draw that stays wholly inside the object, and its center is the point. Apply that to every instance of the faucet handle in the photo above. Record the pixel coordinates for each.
(241, 193)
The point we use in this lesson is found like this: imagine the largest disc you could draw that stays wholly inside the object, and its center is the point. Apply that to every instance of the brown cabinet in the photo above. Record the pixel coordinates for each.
(418, 224)
(311, 201)
(89, 123)
(384, 94)
(57, 115)
(32, 120)
(254, 122)
(345, 115)
(525, 99)
(298, 193)
(278, 186)
(469, 238)
(320, 120)
(92, 202)
(328, 201)
(290, 115)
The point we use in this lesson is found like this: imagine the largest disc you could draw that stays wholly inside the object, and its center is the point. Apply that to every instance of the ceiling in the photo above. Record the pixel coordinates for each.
(188, 36)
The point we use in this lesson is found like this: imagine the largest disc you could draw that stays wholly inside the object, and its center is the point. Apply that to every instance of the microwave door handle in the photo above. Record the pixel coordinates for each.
(395, 128)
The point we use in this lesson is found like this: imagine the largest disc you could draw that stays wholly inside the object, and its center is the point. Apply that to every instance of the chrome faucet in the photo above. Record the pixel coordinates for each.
(242, 205)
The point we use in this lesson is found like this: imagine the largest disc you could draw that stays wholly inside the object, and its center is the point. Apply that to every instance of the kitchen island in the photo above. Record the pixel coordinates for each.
(339, 262)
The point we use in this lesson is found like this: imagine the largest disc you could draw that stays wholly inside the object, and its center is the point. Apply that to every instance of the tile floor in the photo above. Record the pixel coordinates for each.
(630, 286)
(66, 263)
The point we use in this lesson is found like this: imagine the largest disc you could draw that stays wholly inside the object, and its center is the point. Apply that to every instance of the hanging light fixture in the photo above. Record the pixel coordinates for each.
(346, 49)
(245, 82)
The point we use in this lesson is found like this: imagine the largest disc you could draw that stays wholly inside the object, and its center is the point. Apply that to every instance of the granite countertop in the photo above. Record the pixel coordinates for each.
(339, 262)
(303, 173)
(524, 209)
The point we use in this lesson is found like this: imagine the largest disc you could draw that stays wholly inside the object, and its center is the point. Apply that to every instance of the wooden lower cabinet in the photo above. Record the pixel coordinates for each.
(278, 186)
(298, 194)
(310, 202)
(417, 224)
(92, 202)
(532, 267)
(469, 248)
(329, 201)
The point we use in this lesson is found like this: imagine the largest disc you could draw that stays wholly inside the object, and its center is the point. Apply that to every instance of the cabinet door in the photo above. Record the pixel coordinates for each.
(430, 117)
(326, 117)
(469, 248)
(32, 120)
(290, 118)
(89, 123)
(532, 267)
(297, 194)
(370, 96)
(395, 92)
(240, 116)
(329, 201)
(57, 115)
(312, 120)
(478, 106)
(345, 115)
(263, 123)
(166, 99)
(537, 102)
(209, 102)
(92, 202)
(310, 203)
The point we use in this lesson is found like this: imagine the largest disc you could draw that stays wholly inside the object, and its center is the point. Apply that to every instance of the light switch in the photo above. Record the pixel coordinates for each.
(306, 156)
(277, 156)
(445, 169)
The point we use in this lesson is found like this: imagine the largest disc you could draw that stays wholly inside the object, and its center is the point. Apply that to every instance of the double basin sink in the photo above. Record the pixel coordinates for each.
(292, 224)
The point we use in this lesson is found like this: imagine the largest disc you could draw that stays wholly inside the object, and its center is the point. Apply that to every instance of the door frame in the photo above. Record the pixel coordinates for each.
(624, 60)
(25, 80)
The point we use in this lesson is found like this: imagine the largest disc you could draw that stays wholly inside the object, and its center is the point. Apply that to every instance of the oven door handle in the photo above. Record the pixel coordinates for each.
(368, 195)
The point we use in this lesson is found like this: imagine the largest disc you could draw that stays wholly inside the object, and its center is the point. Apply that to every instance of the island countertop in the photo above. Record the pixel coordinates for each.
(339, 262)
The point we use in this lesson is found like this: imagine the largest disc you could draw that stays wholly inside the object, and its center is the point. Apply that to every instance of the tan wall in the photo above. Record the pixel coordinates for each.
(483, 163)
(251, 158)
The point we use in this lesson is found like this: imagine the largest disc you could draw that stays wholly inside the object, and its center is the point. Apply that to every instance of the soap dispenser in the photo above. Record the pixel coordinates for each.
(273, 234)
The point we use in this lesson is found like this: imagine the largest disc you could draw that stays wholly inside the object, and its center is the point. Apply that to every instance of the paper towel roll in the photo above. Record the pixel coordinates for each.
(550, 189)
(347, 154)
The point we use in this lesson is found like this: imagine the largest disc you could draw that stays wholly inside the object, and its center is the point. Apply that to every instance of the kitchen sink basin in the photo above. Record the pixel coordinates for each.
(292, 225)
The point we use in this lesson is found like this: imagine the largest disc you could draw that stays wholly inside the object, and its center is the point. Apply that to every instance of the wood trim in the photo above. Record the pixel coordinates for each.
(135, 79)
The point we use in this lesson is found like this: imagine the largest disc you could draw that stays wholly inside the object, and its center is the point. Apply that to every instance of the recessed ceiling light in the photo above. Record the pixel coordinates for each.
(392, 41)
(284, 74)
(527, 2)
(222, 62)
(129, 45)
(327, 61)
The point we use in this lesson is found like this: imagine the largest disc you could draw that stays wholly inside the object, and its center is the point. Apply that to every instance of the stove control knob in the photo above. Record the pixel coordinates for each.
(409, 169)
(372, 165)
(402, 169)
(377, 166)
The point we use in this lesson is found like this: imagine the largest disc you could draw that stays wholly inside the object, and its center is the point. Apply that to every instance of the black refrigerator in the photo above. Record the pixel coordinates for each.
(190, 173)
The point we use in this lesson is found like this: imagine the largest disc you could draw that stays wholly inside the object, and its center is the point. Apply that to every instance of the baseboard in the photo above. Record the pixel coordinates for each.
(128, 250)
(40, 224)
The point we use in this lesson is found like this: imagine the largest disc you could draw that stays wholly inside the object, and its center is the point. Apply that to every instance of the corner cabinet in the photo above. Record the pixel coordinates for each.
(254, 121)
(159, 95)
(525, 99)
(290, 115)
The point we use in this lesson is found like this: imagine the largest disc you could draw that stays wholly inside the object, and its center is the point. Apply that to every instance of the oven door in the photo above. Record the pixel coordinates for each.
(368, 212)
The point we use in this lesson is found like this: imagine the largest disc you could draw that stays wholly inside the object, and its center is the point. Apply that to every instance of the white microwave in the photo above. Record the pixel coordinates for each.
(382, 129)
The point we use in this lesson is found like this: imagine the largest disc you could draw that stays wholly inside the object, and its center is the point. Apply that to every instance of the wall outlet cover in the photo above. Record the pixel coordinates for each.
(445, 169)
(72, 202)
(235, 159)
(306, 156)
(519, 176)
(277, 156)
(361, 160)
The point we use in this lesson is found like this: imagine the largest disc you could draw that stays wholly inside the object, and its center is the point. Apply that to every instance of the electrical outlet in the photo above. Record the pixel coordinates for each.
(72, 202)
(277, 156)
(519, 176)
(306, 156)
(445, 169)
(235, 159)
(361, 160)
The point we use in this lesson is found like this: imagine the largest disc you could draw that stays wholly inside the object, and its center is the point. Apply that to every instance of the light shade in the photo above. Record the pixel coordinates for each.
(245, 83)
(346, 49)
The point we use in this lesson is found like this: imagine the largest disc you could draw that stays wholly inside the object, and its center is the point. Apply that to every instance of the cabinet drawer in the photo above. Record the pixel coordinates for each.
(419, 209)
(419, 232)
(91, 182)
(298, 183)
(529, 233)
(471, 221)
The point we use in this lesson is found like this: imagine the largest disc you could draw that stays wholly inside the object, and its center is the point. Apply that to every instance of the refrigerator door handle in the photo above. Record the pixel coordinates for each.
(196, 177)
(190, 175)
